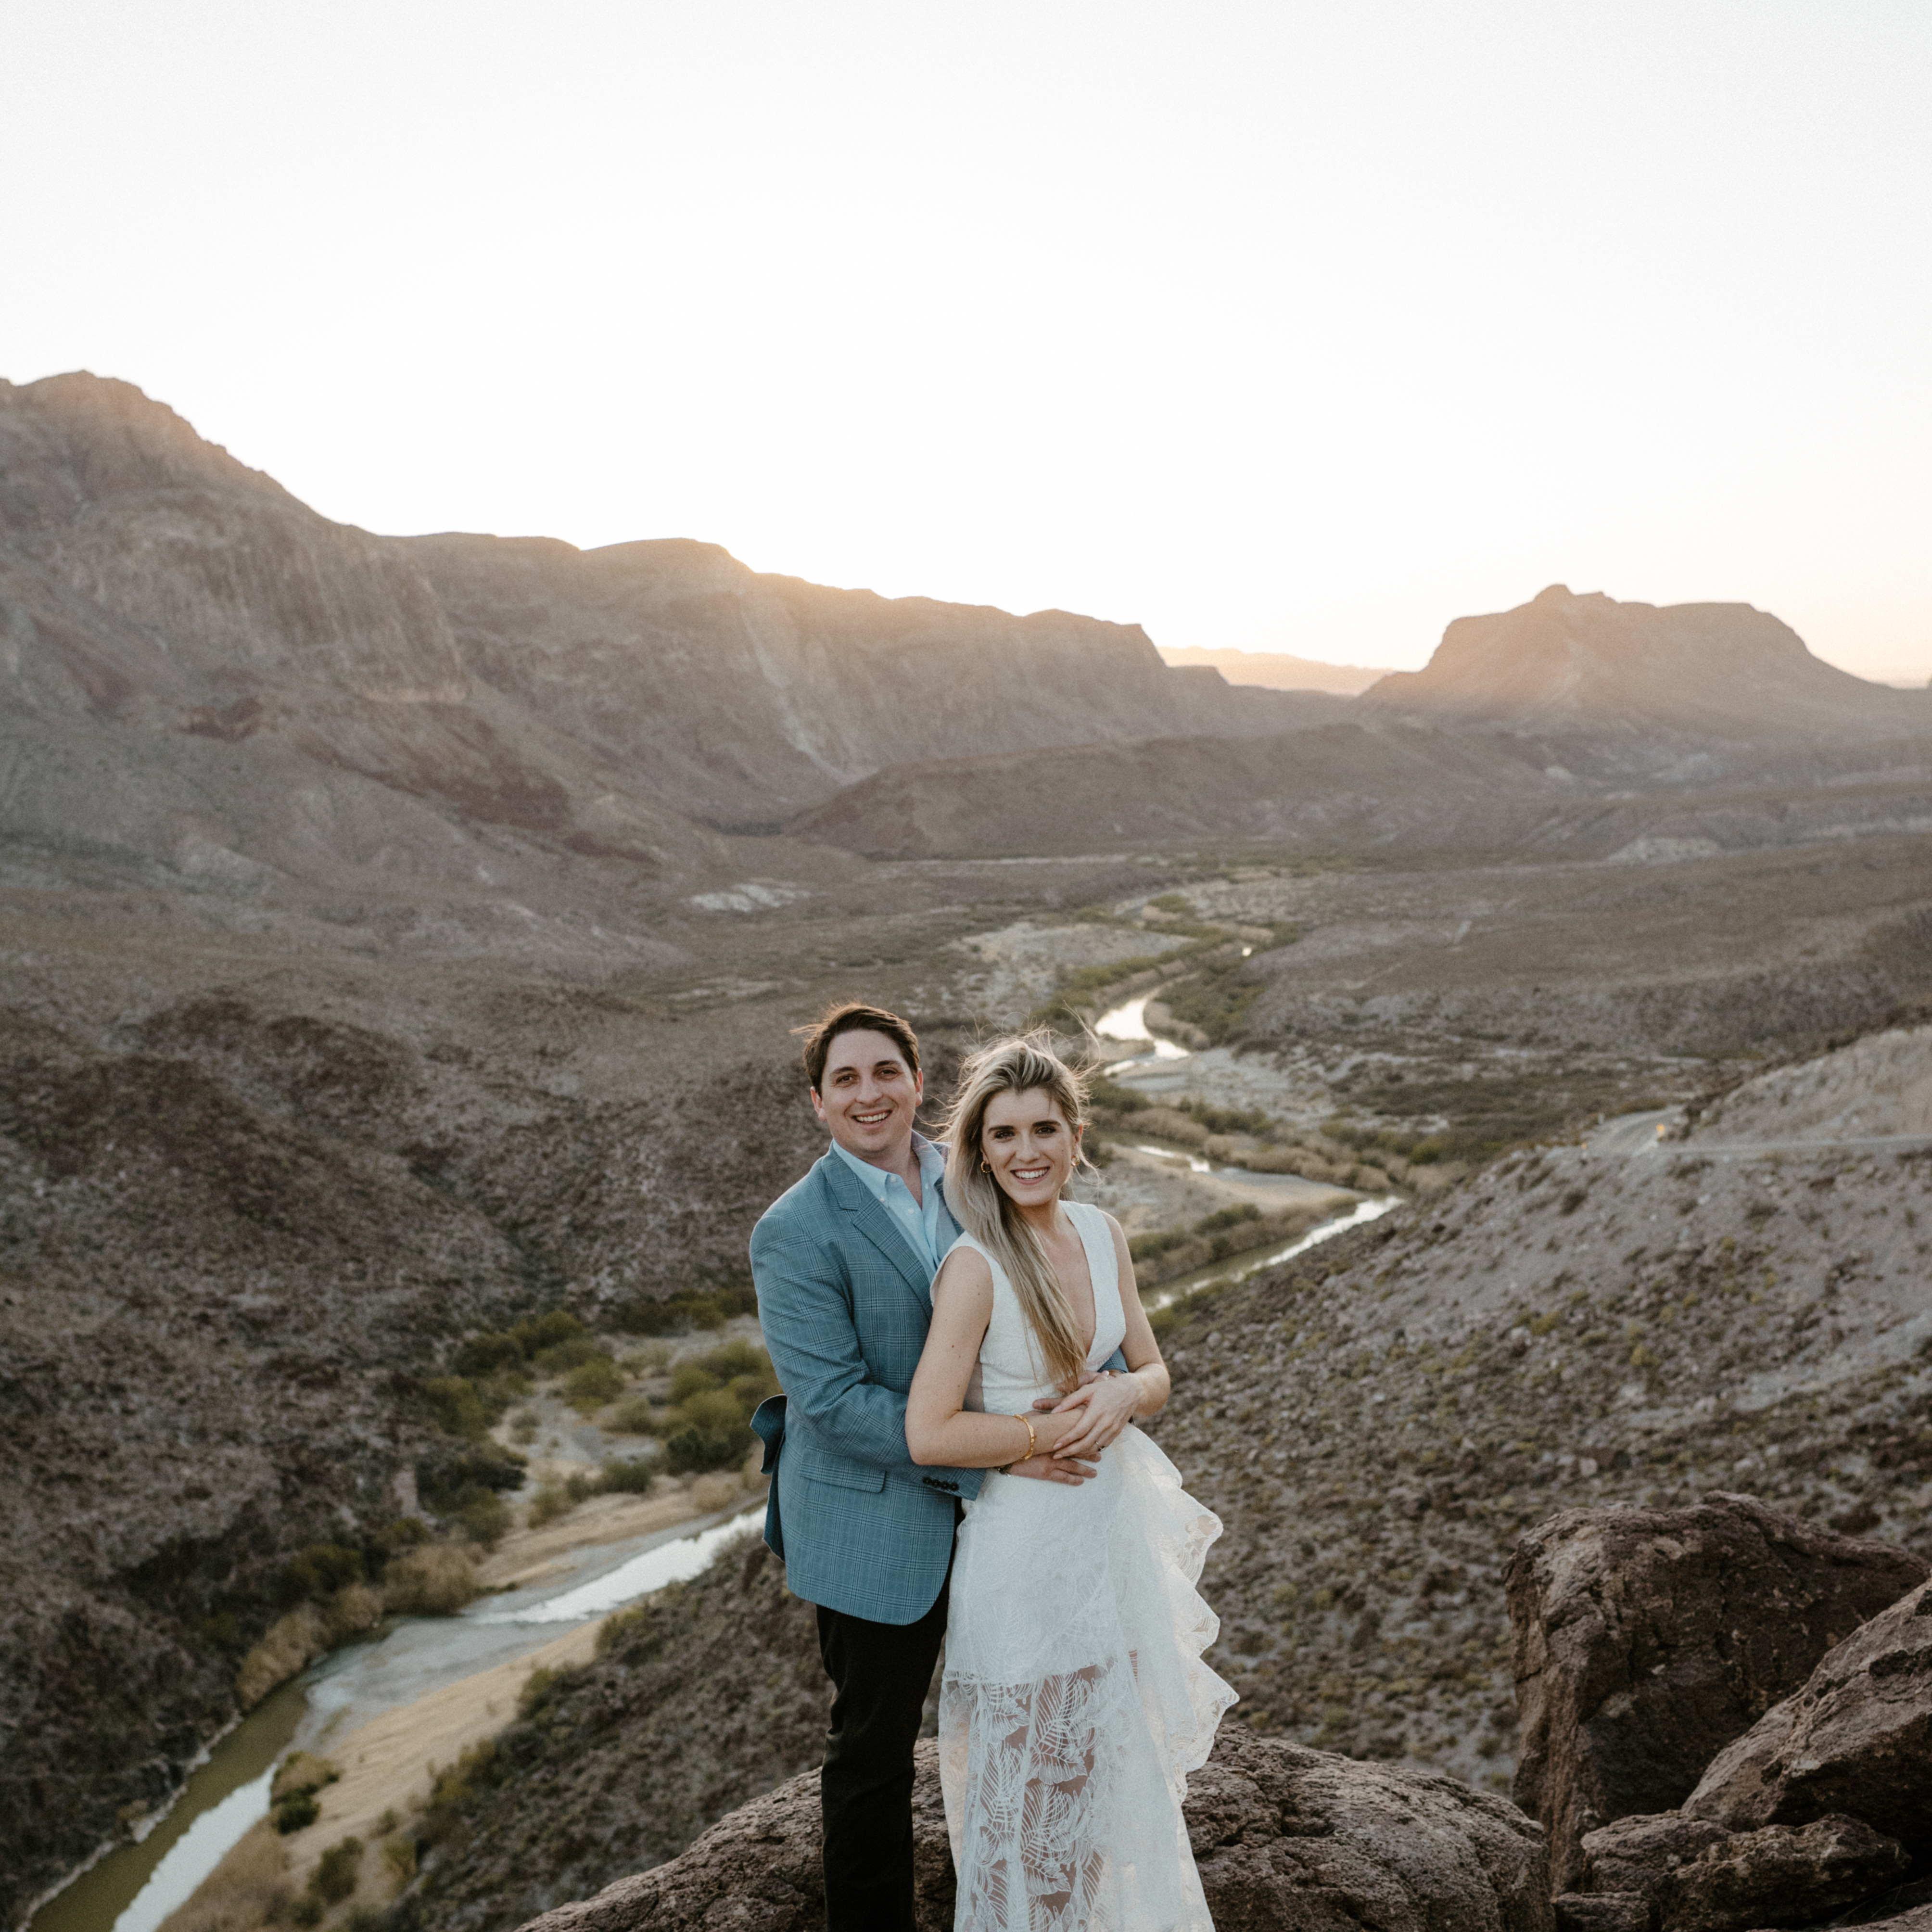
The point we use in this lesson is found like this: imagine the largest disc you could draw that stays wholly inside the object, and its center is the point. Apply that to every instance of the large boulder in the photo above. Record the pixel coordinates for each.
(1645, 1640)
(1678, 1874)
(1779, 1876)
(1857, 1739)
(1287, 1839)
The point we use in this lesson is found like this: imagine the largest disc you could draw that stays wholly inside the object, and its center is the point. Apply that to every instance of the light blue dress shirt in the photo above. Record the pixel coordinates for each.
(928, 1228)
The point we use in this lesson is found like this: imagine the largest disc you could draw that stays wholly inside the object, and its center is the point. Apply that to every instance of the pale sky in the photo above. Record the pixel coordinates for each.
(1289, 326)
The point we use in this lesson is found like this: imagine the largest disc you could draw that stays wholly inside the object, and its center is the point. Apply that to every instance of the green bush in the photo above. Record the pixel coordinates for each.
(457, 1405)
(297, 1810)
(691, 1308)
(593, 1385)
(334, 1877)
(635, 1632)
(319, 1571)
(481, 1354)
(536, 1332)
(628, 1475)
(637, 1417)
(484, 1518)
(307, 1910)
(1227, 1217)
(561, 1356)
(548, 1503)
(536, 1691)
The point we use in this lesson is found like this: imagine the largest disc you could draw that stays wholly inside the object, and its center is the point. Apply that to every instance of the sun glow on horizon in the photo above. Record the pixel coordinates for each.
(1268, 326)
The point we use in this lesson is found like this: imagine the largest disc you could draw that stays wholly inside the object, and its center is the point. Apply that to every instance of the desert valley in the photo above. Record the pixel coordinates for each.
(1516, 1086)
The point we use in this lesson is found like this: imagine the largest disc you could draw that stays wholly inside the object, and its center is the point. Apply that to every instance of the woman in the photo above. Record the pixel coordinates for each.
(1074, 1702)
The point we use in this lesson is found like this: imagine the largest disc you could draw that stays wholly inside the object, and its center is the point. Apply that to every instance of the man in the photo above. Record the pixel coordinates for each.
(844, 1264)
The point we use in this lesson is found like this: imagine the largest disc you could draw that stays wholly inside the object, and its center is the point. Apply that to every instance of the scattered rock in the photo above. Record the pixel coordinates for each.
(1640, 1855)
(1603, 1912)
(1645, 1640)
(1778, 1876)
(1857, 1739)
(1288, 1841)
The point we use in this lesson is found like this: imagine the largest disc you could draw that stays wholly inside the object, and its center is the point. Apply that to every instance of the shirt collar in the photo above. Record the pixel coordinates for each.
(932, 1167)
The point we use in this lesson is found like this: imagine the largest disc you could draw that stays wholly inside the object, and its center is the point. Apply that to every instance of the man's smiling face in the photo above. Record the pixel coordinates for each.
(867, 1096)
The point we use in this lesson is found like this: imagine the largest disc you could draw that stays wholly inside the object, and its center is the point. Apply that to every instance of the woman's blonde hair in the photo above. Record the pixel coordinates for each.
(1022, 1065)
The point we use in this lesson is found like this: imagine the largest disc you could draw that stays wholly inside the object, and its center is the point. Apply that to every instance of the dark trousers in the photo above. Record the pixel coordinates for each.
(880, 1673)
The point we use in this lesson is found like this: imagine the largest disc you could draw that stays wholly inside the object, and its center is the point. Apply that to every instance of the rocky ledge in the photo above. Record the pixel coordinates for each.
(1288, 1839)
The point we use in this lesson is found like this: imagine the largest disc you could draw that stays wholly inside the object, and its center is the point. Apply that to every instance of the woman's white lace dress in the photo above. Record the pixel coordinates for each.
(1074, 1701)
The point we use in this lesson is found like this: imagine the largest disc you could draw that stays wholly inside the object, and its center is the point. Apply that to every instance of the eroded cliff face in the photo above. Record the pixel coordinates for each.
(185, 649)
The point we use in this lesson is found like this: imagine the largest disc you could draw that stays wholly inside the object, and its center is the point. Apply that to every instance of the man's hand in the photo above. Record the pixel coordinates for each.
(1056, 1469)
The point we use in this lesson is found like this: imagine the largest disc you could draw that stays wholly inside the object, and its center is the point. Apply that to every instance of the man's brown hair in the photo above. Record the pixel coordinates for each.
(853, 1016)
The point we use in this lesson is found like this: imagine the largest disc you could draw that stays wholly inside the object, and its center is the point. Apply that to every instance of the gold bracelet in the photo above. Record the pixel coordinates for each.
(1033, 1441)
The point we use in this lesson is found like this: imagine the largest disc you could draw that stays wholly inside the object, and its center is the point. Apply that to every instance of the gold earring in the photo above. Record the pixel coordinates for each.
(985, 1167)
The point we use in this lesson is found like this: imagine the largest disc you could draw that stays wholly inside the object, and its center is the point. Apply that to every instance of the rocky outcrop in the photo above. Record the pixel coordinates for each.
(1856, 1738)
(1683, 1874)
(1645, 1640)
(1723, 667)
(1287, 1841)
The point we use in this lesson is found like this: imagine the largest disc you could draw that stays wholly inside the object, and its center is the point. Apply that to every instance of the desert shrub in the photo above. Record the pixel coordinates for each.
(636, 1417)
(447, 1481)
(680, 1313)
(435, 1581)
(593, 1385)
(318, 1572)
(550, 1501)
(1231, 1119)
(635, 1632)
(478, 1769)
(482, 1353)
(402, 1533)
(580, 1485)
(523, 1426)
(1216, 999)
(399, 1854)
(652, 1359)
(457, 1406)
(536, 1332)
(307, 1910)
(365, 1918)
(714, 1442)
(334, 1877)
(1111, 1095)
(292, 1814)
(1227, 1217)
(536, 1691)
(484, 1518)
(628, 1475)
(574, 1353)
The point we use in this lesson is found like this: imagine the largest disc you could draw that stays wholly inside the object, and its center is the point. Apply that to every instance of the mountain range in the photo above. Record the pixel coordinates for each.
(204, 684)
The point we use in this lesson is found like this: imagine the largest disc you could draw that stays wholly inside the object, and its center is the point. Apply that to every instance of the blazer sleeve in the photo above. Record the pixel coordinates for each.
(813, 1346)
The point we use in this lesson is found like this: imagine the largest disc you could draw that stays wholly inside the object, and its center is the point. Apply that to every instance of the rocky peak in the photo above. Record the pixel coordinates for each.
(1563, 658)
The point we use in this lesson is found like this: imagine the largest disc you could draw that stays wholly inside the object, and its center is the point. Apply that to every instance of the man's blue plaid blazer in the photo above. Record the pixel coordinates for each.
(844, 1305)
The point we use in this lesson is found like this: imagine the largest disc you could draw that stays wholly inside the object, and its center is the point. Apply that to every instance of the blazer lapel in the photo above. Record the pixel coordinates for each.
(872, 1221)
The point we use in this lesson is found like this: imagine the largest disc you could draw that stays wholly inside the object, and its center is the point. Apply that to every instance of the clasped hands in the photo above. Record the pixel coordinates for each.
(1109, 1403)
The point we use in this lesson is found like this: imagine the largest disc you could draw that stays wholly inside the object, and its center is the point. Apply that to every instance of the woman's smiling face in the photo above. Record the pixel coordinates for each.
(1026, 1140)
